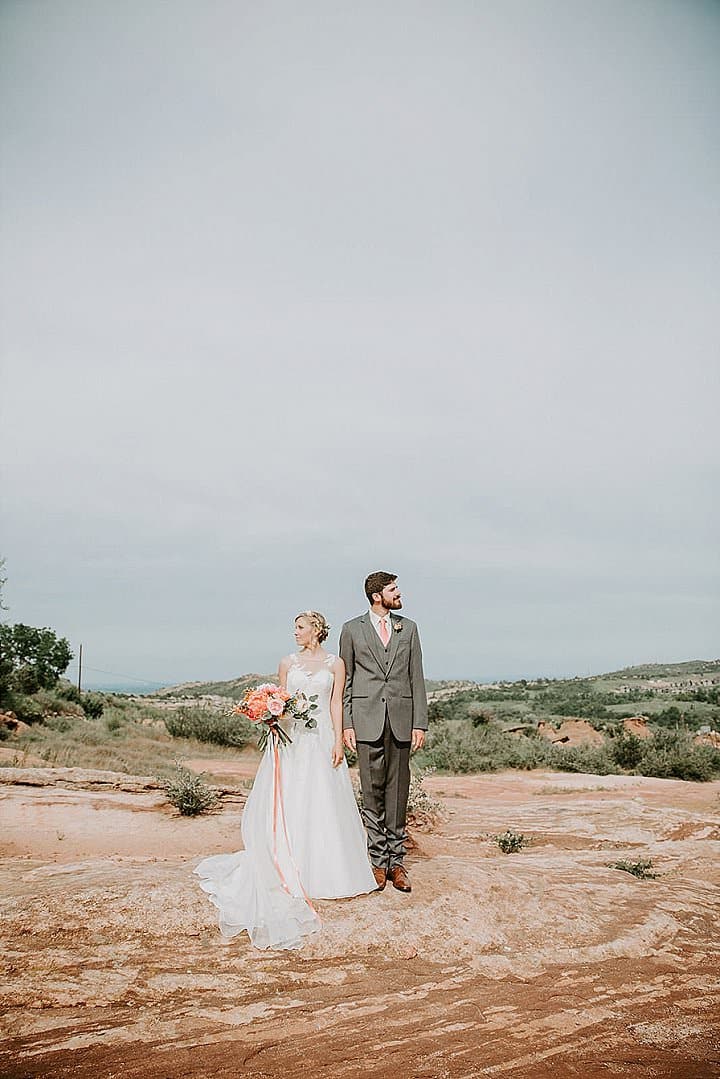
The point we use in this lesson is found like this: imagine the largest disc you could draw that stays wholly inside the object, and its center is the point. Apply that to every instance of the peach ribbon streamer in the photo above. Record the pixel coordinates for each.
(278, 805)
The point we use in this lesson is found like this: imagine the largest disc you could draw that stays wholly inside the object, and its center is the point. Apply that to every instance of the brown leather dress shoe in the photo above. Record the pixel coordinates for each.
(380, 875)
(399, 878)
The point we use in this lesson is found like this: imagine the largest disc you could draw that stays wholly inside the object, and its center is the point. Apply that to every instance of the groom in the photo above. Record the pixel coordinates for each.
(384, 718)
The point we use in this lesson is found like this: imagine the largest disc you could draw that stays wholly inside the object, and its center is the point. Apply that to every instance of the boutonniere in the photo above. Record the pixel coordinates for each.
(397, 626)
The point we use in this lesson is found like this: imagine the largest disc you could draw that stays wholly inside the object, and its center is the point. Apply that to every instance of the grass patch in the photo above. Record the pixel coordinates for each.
(129, 737)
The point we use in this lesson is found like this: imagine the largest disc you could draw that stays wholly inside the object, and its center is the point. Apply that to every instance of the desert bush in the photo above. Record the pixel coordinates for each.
(510, 842)
(114, 722)
(68, 691)
(27, 708)
(479, 714)
(462, 748)
(92, 704)
(626, 750)
(595, 760)
(188, 793)
(424, 811)
(674, 755)
(452, 747)
(207, 725)
(60, 723)
(642, 869)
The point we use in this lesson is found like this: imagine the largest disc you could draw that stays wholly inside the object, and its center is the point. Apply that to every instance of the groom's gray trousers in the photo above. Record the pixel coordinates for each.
(385, 782)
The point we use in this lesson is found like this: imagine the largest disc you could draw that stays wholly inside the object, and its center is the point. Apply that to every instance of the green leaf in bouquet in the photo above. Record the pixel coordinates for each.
(311, 723)
(313, 698)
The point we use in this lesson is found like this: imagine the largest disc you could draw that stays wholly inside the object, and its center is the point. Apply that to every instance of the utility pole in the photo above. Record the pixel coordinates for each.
(80, 670)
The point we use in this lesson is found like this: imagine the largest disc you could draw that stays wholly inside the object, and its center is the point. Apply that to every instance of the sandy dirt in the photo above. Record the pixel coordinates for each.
(542, 963)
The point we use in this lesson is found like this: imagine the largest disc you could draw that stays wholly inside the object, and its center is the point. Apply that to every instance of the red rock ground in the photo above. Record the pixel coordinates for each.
(542, 963)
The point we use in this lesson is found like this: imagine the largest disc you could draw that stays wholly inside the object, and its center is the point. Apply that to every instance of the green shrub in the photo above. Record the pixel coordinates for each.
(594, 760)
(461, 748)
(207, 725)
(674, 755)
(511, 842)
(28, 709)
(92, 705)
(188, 793)
(626, 750)
(68, 691)
(62, 724)
(689, 718)
(642, 869)
(479, 714)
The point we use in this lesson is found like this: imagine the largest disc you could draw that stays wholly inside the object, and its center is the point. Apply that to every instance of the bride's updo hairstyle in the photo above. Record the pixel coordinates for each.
(318, 623)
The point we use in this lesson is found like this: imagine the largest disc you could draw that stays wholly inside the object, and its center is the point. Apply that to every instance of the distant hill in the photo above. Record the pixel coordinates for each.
(701, 667)
(688, 669)
(234, 688)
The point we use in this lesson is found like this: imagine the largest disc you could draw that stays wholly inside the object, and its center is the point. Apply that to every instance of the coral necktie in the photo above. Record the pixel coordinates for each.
(384, 631)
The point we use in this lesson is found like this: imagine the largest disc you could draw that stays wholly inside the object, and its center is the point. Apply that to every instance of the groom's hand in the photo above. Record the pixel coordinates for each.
(418, 739)
(349, 739)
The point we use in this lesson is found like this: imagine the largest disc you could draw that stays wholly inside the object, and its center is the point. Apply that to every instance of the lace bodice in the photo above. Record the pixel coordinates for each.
(311, 679)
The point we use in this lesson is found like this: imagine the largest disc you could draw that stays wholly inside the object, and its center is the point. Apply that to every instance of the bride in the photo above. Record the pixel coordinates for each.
(319, 848)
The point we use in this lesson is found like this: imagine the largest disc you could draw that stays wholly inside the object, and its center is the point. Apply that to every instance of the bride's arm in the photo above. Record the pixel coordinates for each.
(336, 711)
(283, 666)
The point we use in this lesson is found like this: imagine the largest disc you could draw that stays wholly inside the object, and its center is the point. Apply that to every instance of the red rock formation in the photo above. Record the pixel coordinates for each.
(637, 725)
(572, 732)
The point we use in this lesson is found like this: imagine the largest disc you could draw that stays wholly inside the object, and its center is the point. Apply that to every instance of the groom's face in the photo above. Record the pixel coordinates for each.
(390, 597)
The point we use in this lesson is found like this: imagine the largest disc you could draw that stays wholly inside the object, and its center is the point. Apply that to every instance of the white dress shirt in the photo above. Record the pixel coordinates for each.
(377, 619)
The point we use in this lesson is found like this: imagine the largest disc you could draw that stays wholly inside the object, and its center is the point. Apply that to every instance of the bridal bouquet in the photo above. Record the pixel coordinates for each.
(267, 704)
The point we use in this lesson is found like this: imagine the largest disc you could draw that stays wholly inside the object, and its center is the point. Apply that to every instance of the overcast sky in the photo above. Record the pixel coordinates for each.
(293, 292)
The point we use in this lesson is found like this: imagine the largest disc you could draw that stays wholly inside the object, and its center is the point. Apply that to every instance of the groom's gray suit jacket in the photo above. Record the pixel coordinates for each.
(383, 680)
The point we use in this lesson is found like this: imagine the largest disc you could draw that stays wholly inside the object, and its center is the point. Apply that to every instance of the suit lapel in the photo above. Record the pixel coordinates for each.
(373, 641)
(393, 643)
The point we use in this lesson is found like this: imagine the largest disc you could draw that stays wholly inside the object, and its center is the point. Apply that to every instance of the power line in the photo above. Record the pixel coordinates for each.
(127, 677)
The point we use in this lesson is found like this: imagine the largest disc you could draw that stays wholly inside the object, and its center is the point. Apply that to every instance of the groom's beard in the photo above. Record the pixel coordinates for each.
(393, 605)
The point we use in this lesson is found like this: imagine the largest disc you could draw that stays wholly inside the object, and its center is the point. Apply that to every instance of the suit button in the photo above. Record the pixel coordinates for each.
(382, 700)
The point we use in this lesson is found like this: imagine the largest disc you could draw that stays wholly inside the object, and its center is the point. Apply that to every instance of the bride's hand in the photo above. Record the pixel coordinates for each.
(337, 754)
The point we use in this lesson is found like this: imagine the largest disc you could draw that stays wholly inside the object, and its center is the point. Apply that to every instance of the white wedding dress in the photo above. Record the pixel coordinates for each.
(301, 829)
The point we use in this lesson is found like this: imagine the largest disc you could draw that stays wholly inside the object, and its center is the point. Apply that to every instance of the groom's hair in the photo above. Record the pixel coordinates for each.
(377, 581)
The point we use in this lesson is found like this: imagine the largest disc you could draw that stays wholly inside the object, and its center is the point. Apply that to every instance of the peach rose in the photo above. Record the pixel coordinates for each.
(276, 706)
